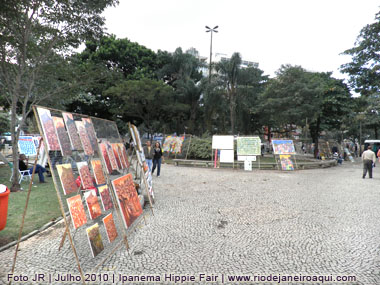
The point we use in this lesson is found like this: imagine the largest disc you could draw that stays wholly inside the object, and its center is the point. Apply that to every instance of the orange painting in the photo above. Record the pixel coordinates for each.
(92, 204)
(98, 171)
(66, 176)
(90, 131)
(48, 128)
(125, 155)
(110, 228)
(84, 138)
(63, 138)
(95, 239)
(106, 197)
(116, 154)
(127, 198)
(77, 213)
(85, 175)
(72, 130)
(111, 156)
(103, 149)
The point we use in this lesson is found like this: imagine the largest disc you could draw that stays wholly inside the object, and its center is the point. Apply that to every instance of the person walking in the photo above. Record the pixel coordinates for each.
(148, 152)
(157, 158)
(369, 159)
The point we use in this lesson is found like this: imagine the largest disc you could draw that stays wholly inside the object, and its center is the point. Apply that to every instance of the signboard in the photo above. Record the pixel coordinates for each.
(248, 146)
(283, 147)
(222, 142)
(245, 157)
(247, 165)
(227, 155)
(26, 145)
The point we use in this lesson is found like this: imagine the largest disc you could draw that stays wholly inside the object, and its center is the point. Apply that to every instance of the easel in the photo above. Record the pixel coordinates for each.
(24, 214)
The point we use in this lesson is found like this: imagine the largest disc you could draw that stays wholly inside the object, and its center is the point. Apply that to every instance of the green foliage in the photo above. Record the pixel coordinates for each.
(5, 123)
(200, 148)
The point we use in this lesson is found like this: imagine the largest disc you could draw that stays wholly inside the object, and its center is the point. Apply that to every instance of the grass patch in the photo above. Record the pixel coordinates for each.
(43, 206)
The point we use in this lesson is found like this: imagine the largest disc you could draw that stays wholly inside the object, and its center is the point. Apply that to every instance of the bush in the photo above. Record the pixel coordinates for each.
(200, 148)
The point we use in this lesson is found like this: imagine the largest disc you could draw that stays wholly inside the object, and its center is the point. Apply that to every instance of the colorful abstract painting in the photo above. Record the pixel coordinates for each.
(87, 147)
(90, 132)
(127, 198)
(98, 171)
(95, 240)
(78, 216)
(92, 204)
(67, 178)
(106, 197)
(110, 227)
(72, 131)
(173, 144)
(85, 175)
(106, 158)
(48, 129)
(286, 162)
(63, 137)
(283, 147)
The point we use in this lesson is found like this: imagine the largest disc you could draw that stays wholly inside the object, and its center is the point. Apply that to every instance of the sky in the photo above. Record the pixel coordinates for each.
(310, 33)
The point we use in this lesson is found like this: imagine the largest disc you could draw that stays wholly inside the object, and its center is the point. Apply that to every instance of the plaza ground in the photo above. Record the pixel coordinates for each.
(231, 222)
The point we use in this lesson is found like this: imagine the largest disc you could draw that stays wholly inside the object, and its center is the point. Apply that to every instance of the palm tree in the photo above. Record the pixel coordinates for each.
(228, 72)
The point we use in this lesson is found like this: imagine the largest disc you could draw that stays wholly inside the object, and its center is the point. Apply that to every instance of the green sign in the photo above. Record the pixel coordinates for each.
(248, 146)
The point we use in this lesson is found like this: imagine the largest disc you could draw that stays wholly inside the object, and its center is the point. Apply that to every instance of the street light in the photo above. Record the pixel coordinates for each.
(211, 31)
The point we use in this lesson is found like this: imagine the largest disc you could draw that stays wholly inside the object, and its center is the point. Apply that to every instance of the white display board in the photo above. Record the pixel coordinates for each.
(246, 157)
(222, 142)
(227, 155)
(247, 165)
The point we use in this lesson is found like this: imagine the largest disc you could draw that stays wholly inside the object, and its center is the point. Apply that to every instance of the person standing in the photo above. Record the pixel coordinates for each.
(148, 152)
(157, 158)
(369, 159)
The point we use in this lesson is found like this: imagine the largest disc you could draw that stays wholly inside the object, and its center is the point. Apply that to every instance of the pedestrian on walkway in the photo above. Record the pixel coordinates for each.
(369, 160)
(148, 152)
(157, 158)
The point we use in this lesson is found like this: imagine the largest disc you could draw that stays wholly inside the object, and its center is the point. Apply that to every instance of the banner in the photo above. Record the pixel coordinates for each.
(248, 146)
(283, 147)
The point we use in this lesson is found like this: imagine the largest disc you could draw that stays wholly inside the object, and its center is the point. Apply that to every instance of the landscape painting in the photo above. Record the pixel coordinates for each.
(92, 204)
(98, 171)
(84, 138)
(95, 240)
(110, 227)
(127, 199)
(48, 128)
(63, 137)
(72, 130)
(67, 178)
(85, 175)
(78, 216)
(105, 195)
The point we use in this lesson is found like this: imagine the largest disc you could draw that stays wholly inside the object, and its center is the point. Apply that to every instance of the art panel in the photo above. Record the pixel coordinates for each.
(84, 138)
(125, 155)
(98, 171)
(27, 146)
(110, 228)
(111, 156)
(119, 147)
(95, 240)
(173, 144)
(116, 154)
(67, 178)
(72, 131)
(63, 138)
(106, 158)
(76, 209)
(105, 197)
(283, 147)
(48, 129)
(90, 132)
(248, 146)
(92, 204)
(127, 198)
(286, 162)
(85, 175)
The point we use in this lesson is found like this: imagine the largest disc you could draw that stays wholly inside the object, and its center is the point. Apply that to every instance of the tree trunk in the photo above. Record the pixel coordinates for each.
(232, 113)
(314, 133)
(15, 156)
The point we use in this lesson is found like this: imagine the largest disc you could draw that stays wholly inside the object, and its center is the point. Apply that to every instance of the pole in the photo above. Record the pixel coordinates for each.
(209, 69)
(360, 138)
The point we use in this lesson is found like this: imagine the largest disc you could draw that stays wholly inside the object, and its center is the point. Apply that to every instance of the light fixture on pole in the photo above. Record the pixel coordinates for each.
(211, 31)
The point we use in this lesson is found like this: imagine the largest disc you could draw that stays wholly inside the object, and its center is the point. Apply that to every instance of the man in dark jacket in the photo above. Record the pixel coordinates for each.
(39, 169)
(148, 152)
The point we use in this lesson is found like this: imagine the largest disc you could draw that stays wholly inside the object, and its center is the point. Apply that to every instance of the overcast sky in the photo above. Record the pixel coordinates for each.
(310, 33)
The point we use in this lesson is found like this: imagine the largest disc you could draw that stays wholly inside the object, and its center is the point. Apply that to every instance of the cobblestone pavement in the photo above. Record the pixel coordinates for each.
(223, 221)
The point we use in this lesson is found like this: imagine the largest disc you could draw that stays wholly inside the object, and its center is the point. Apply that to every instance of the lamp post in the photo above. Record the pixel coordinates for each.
(211, 31)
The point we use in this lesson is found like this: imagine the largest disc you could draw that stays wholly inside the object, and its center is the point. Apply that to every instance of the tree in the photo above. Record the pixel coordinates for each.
(148, 101)
(32, 34)
(228, 71)
(364, 69)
